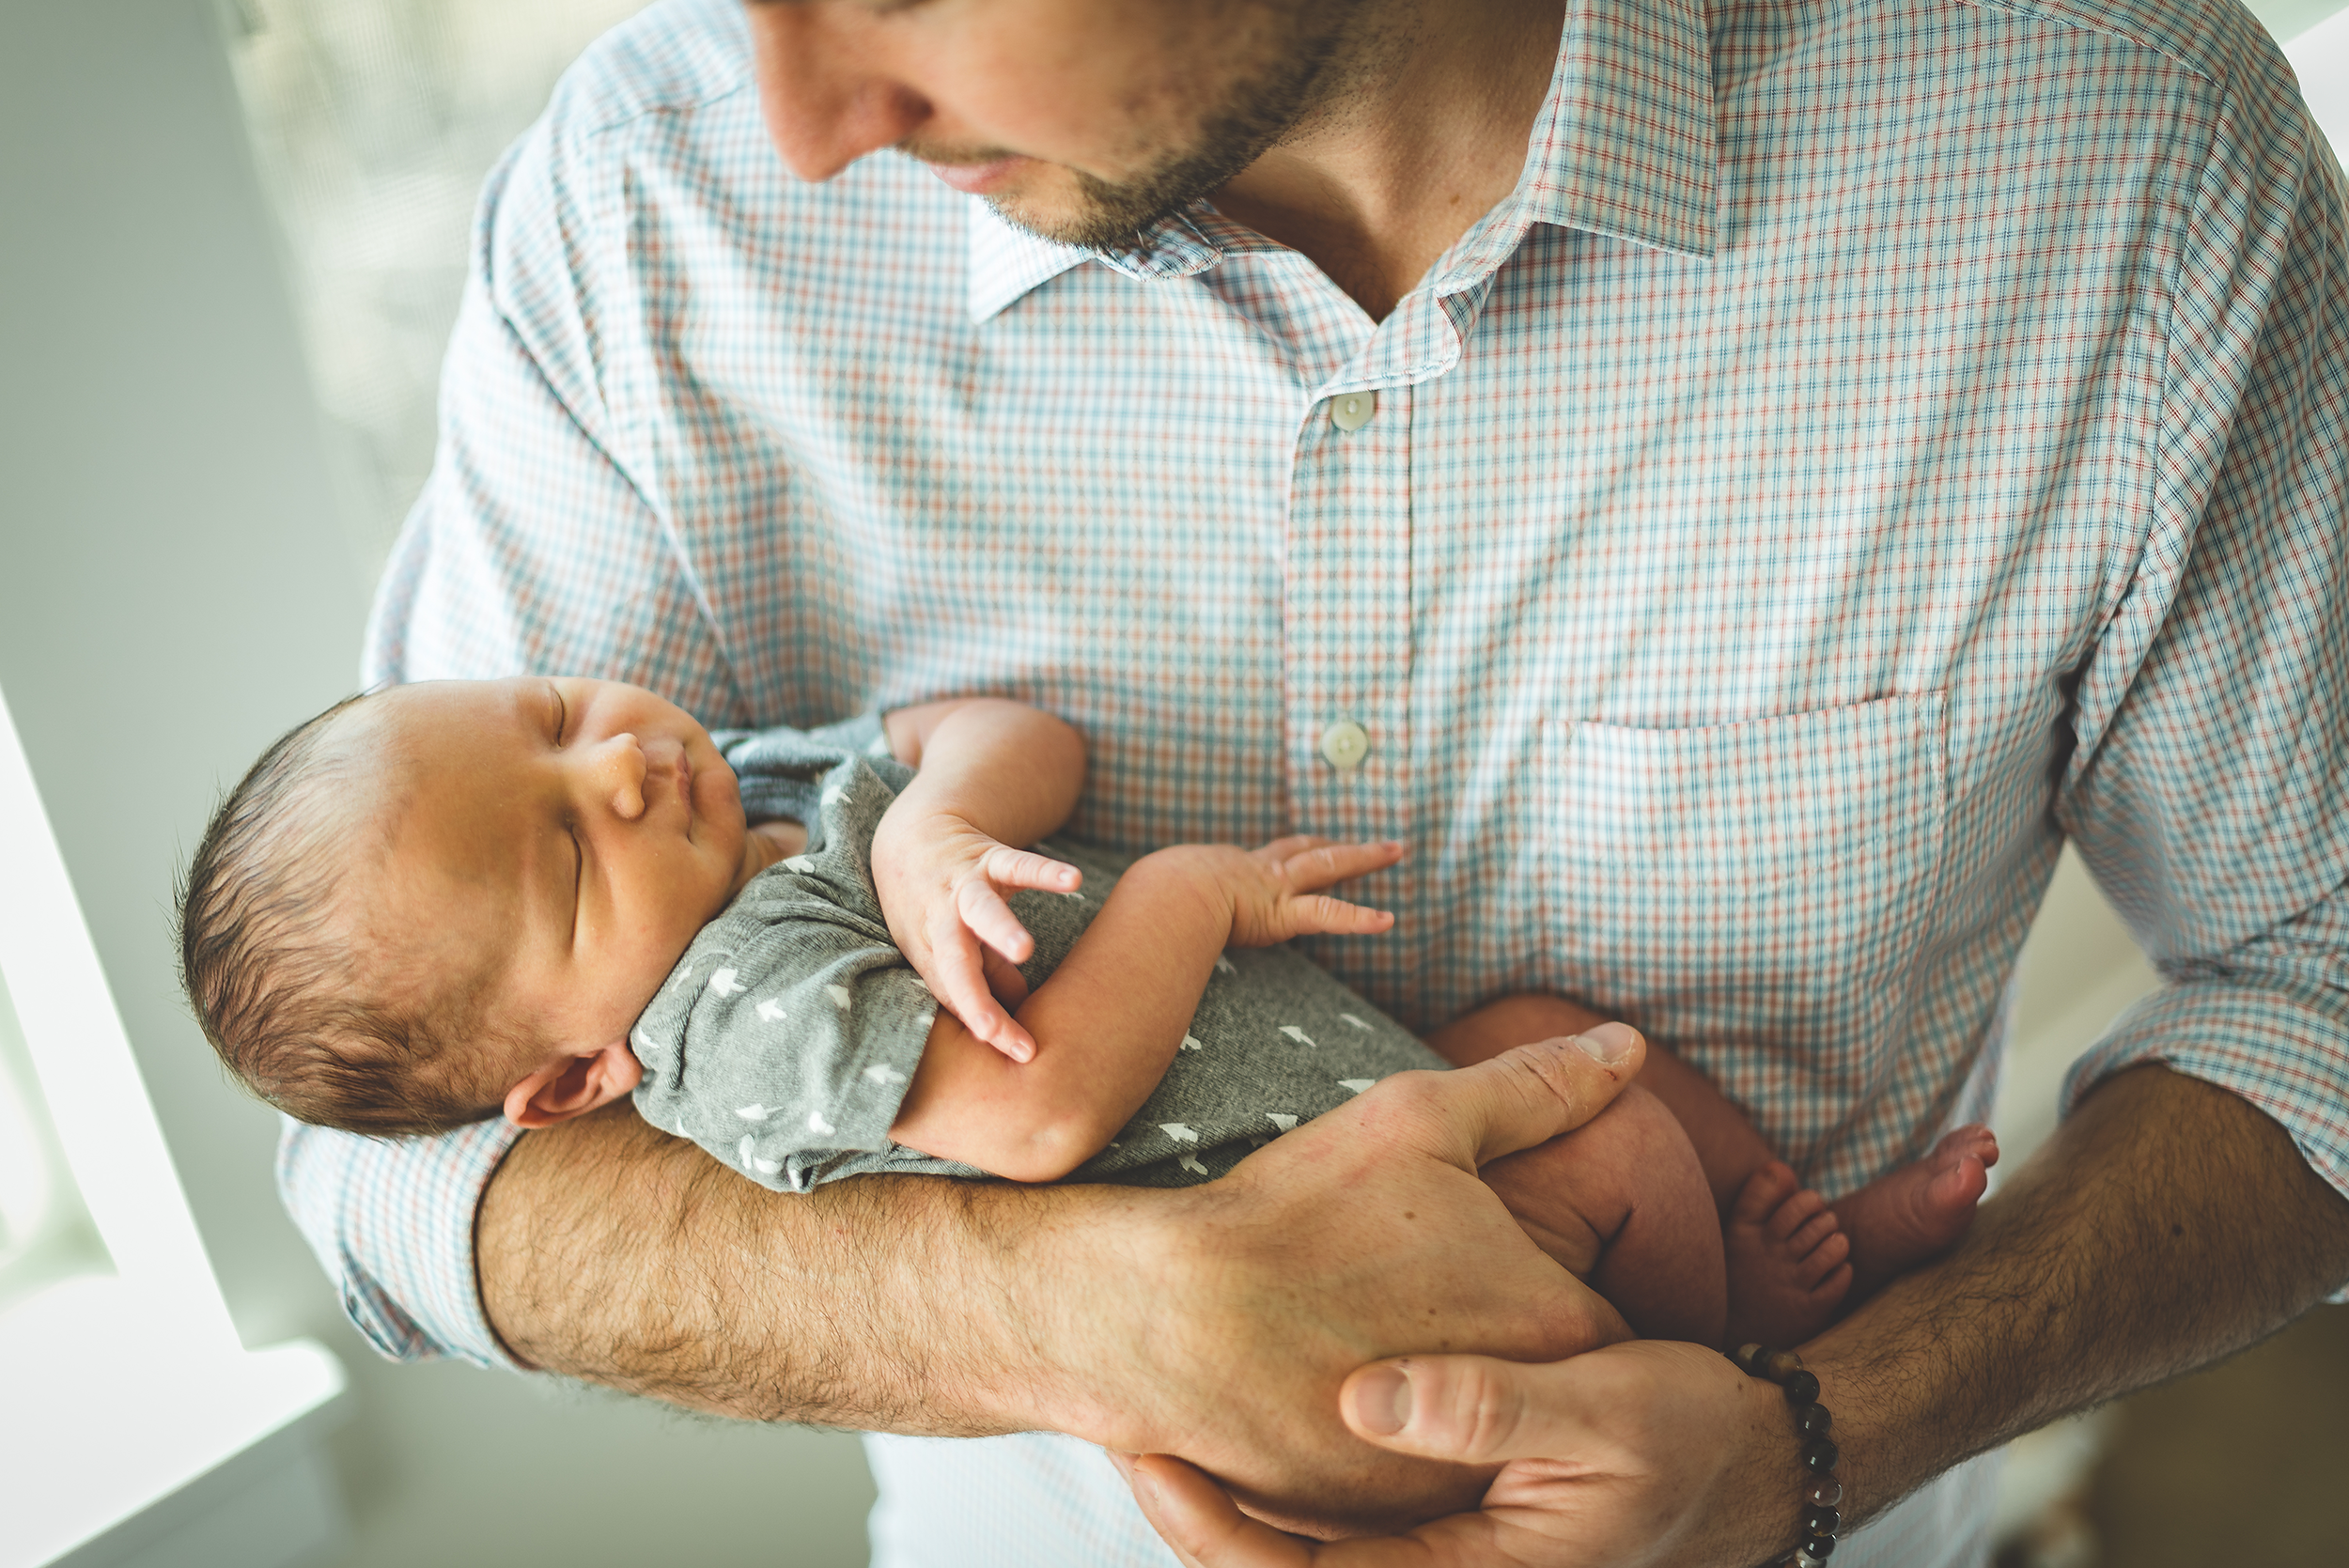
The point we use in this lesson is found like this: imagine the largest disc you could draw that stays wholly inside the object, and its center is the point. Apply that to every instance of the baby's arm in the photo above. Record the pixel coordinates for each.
(995, 774)
(1109, 1019)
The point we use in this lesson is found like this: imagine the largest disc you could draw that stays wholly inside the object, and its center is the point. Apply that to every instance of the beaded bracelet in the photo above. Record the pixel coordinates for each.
(1821, 1519)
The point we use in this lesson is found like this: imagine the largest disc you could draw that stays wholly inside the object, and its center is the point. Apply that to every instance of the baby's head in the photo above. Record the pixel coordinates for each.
(442, 901)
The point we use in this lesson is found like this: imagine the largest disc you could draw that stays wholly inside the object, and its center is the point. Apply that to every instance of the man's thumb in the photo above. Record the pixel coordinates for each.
(1536, 1092)
(1470, 1409)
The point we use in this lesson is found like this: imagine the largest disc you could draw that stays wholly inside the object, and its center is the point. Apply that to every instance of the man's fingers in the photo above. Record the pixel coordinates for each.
(1526, 1095)
(1192, 1515)
(1469, 1409)
(990, 920)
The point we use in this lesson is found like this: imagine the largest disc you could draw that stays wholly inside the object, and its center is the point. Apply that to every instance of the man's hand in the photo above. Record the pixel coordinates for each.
(2166, 1224)
(1642, 1453)
(1359, 1233)
(941, 883)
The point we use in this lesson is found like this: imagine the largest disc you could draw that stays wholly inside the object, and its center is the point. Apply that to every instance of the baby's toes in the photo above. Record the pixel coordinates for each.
(1811, 1233)
(1970, 1142)
(1764, 1193)
(1791, 1216)
(1831, 1255)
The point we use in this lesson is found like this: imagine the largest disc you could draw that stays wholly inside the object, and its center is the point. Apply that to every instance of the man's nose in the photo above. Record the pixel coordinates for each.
(827, 99)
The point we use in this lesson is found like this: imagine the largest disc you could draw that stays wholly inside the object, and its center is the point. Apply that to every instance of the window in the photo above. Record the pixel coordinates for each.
(45, 1234)
(107, 1302)
(373, 122)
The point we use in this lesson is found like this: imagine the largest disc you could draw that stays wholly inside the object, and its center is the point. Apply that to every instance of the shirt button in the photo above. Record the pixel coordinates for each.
(1349, 412)
(1345, 744)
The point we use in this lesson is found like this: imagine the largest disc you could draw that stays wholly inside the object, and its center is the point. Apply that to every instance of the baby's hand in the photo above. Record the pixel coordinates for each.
(1276, 890)
(942, 882)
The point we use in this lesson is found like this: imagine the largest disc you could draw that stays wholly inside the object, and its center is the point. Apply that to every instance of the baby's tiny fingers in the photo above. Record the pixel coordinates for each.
(959, 983)
(1025, 868)
(1008, 986)
(990, 920)
(1282, 849)
(1319, 913)
(1327, 862)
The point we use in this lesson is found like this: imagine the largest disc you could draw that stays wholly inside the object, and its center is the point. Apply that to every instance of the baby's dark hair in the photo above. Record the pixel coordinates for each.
(276, 978)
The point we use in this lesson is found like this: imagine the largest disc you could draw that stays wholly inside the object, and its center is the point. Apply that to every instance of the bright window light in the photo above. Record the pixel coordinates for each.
(45, 1235)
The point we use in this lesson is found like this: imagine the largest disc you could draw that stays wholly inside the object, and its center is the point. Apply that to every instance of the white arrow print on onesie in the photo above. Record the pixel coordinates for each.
(1297, 1035)
(748, 1149)
(725, 985)
(1356, 1084)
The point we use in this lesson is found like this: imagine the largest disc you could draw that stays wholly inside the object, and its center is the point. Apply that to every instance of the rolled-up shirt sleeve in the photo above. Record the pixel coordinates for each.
(2209, 789)
(391, 1221)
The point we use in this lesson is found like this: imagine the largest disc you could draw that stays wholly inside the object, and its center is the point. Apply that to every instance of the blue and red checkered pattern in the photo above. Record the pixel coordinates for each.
(1872, 443)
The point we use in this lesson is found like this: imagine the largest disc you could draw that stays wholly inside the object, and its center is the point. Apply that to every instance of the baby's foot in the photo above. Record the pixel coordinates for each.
(1918, 1211)
(1788, 1273)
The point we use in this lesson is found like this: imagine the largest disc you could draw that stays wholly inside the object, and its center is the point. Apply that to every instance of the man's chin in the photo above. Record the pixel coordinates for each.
(1063, 222)
(1071, 208)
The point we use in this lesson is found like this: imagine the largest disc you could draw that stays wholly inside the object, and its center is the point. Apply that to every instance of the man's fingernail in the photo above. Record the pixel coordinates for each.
(1610, 1043)
(1145, 1485)
(1382, 1400)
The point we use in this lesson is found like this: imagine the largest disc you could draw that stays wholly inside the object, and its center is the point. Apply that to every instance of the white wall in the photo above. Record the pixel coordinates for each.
(174, 591)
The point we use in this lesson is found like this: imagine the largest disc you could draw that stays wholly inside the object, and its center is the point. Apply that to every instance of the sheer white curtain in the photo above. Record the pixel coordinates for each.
(373, 122)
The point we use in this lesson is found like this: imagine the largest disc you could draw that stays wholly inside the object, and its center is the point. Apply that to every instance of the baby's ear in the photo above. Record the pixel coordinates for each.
(570, 1086)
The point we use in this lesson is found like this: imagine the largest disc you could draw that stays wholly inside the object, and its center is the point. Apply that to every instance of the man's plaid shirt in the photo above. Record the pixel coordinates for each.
(1872, 443)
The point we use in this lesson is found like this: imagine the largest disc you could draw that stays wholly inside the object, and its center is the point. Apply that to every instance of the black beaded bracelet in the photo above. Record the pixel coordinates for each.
(1821, 1517)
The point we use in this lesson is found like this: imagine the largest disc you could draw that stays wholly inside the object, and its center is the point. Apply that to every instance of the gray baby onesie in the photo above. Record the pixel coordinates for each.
(784, 1039)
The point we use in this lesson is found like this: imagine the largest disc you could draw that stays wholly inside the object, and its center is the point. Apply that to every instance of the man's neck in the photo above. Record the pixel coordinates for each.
(1422, 129)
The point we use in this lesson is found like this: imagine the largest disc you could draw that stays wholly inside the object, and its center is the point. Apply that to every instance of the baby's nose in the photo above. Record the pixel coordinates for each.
(620, 775)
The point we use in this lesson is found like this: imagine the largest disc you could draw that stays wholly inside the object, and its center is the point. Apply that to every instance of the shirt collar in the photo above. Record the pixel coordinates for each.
(1625, 145)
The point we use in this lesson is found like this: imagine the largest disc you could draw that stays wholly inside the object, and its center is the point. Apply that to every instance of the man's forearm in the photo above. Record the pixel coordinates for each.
(613, 1252)
(1215, 1320)
(2165, 1225)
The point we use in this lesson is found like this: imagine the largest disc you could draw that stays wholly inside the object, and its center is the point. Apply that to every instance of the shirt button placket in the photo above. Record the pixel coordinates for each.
(1349, 620)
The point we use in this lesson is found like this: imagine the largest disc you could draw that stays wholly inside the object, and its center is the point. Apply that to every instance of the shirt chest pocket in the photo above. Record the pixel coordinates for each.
(1768, 881)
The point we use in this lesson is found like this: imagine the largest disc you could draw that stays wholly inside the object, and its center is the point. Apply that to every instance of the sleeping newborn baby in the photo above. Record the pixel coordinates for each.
(445, 901)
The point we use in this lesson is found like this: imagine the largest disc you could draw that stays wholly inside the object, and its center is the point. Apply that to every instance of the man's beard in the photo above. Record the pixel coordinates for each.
(1254, 116)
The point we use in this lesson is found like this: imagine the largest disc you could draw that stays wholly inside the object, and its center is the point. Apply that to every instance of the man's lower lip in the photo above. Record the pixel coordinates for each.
(976, 178)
